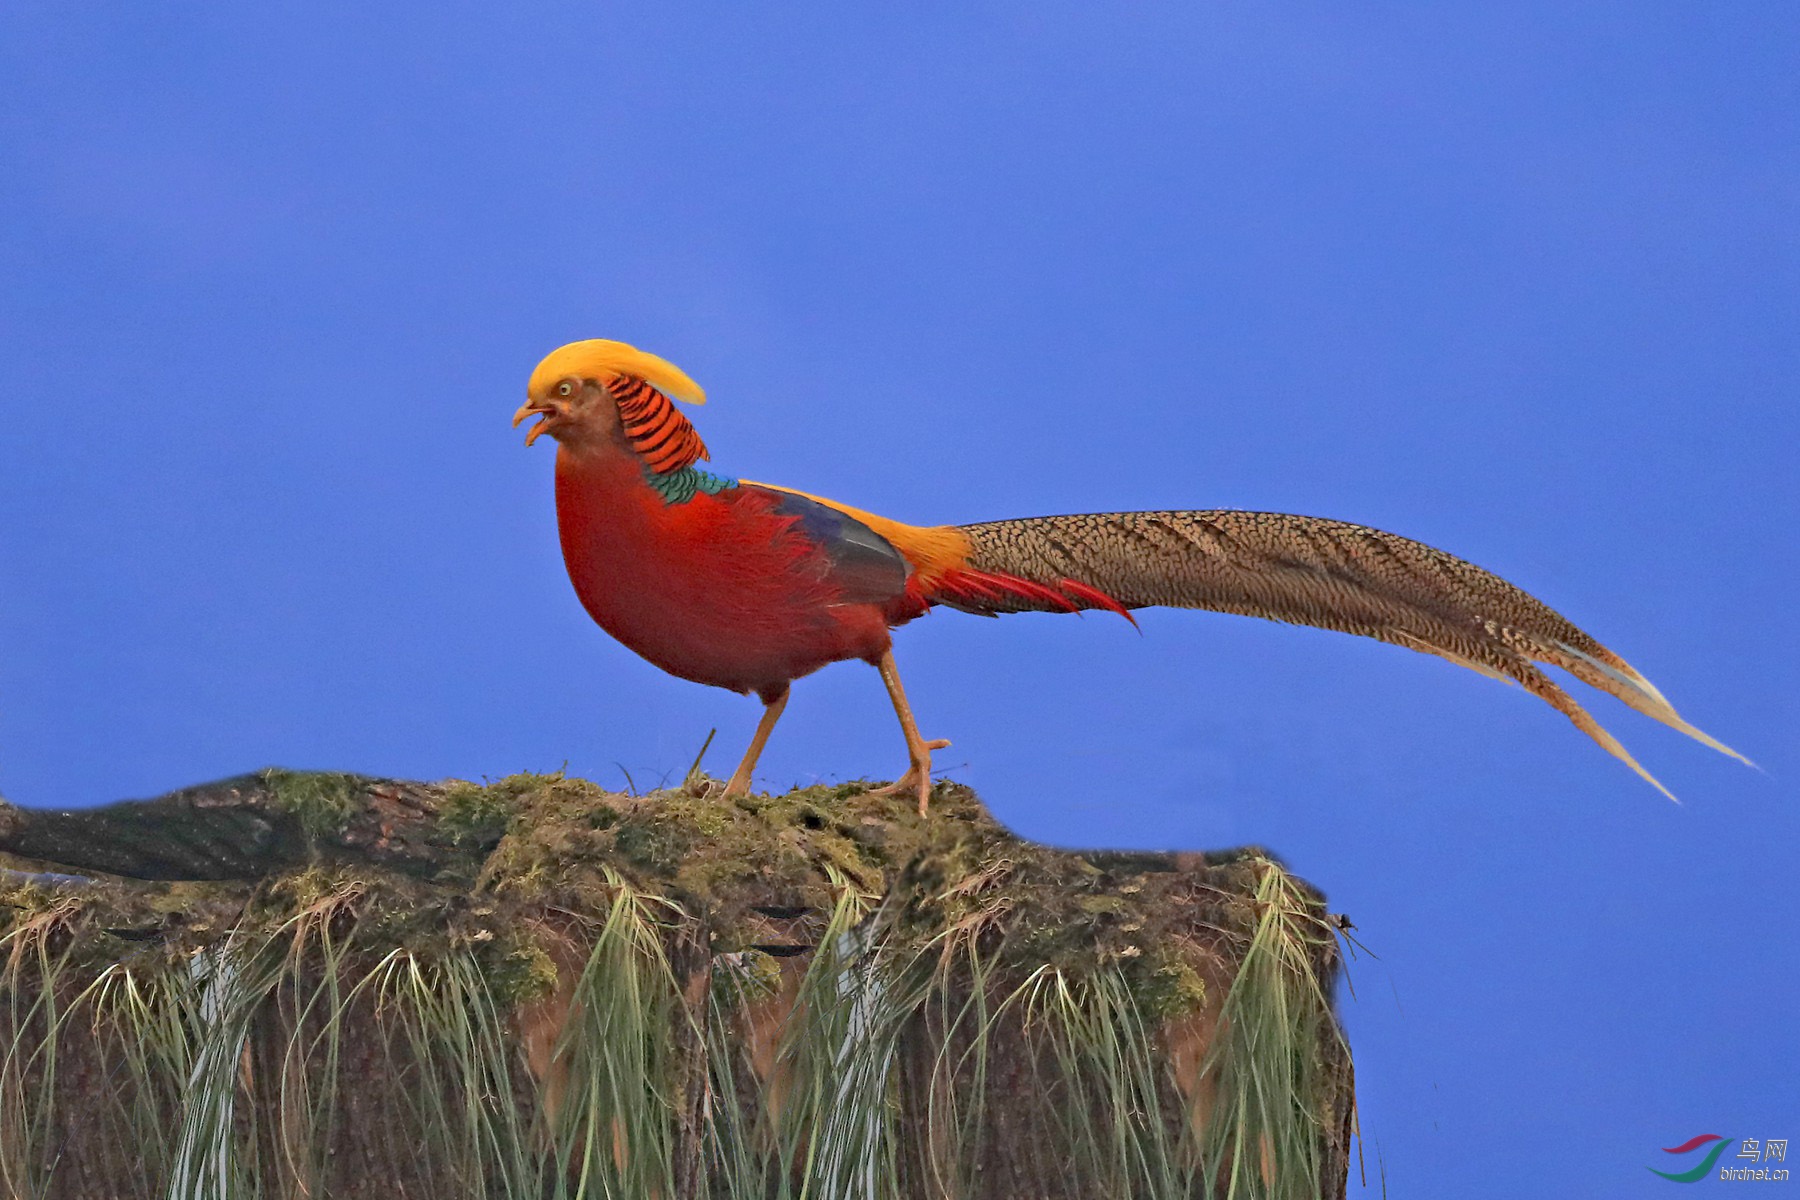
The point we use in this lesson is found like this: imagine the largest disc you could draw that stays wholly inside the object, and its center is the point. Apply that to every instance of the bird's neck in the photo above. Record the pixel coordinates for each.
(678, 487)
(614, 474)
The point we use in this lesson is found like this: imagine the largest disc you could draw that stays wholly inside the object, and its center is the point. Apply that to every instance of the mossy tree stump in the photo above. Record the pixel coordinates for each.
(294, 984)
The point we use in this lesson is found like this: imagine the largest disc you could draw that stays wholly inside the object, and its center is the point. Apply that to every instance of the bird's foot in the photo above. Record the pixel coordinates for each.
(917, 780)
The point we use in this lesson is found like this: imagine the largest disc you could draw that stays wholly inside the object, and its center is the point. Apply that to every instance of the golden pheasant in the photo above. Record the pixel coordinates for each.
(750, 586)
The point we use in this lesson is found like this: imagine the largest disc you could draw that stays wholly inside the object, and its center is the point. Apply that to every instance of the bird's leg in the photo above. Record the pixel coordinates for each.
(917, 779)
(740, 778)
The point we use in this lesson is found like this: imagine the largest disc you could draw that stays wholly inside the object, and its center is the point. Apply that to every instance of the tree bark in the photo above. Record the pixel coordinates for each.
(239, 828)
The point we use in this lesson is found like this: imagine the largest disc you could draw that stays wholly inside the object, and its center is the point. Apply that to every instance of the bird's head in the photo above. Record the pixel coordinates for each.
(600, 392)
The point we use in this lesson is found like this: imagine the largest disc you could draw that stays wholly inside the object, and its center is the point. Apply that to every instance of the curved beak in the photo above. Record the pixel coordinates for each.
(532, 408)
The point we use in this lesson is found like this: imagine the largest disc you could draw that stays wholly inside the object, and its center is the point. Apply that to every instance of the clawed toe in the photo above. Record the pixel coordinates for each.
(917, 780)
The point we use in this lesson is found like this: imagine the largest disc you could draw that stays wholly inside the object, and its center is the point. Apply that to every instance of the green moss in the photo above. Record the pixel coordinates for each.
(544, 843)
(968, 917)
(298, 890)
(1165, 985)
(322, 800)
(517, 970)
(652, 843)
(1104, 949)
(527, 782)
(476, 818)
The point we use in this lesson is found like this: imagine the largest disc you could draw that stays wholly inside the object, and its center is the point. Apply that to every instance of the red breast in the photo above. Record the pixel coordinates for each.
(718, 589)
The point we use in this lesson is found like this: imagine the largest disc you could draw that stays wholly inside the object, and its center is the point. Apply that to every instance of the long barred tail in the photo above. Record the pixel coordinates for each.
(1307, 571)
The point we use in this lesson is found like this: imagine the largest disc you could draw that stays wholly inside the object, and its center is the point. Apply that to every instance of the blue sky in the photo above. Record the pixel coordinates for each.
(1520, 283)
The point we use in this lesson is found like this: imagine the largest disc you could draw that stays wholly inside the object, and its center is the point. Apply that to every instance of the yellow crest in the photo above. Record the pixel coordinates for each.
(598, 358)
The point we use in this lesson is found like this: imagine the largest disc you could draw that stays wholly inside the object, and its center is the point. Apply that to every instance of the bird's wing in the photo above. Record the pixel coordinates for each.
(1304, 570)
(860, 563)
(928, 551)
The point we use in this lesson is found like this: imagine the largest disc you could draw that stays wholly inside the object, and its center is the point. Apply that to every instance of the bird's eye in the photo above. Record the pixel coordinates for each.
(565, 388)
